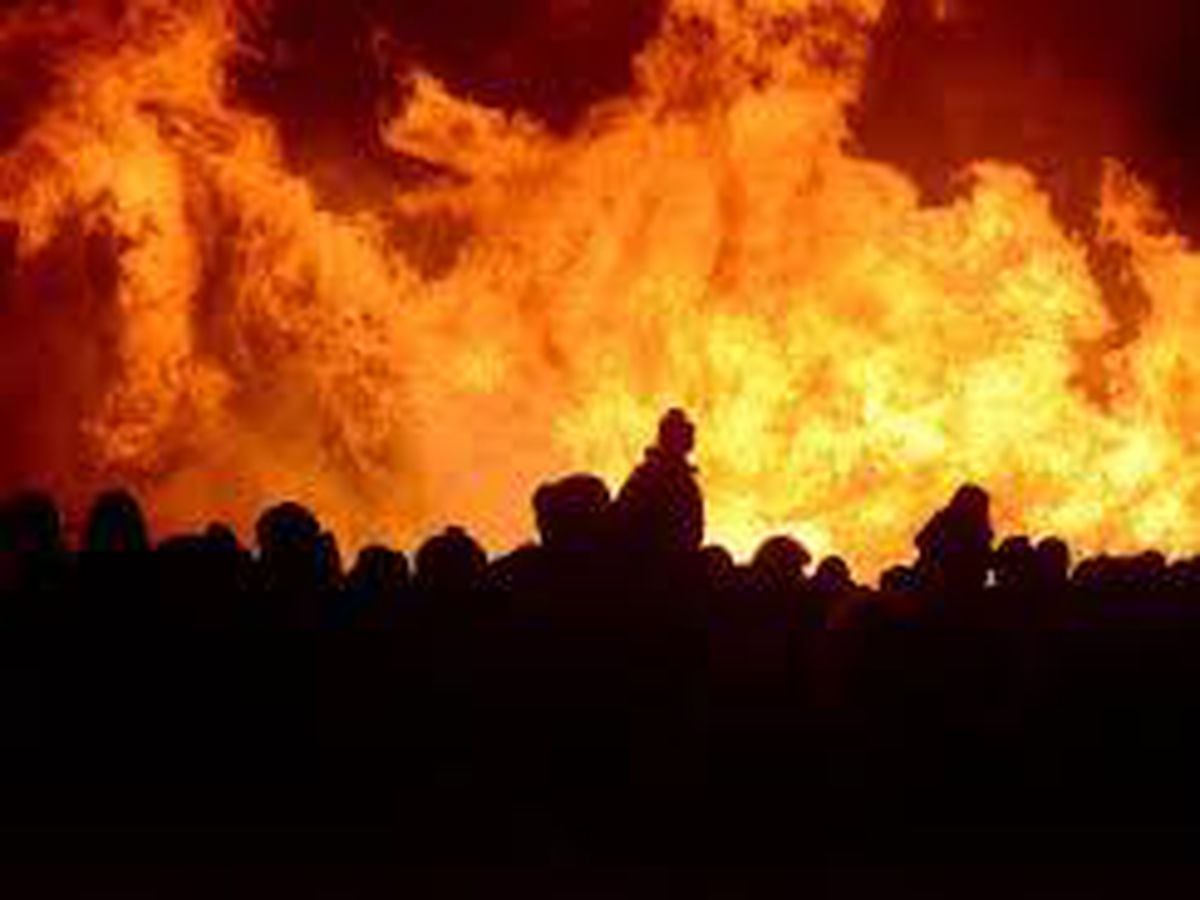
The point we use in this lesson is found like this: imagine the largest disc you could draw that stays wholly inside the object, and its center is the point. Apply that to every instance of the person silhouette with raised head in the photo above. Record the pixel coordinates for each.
(659, 512)
(955, 547)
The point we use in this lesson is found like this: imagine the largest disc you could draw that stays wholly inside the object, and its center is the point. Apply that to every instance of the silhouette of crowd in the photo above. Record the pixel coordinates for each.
(598, 558)
(641, 689)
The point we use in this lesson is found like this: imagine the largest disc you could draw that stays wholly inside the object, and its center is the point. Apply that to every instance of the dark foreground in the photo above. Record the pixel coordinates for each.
(615, 710)
(507, 750)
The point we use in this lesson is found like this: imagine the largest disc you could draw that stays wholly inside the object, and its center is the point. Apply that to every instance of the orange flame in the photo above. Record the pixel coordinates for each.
(851, 355)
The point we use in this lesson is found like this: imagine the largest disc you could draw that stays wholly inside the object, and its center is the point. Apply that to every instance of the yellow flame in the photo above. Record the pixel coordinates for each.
(850, 355)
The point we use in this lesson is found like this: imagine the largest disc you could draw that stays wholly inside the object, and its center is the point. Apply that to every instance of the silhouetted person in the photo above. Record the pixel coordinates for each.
(1015, 600)
(116, 525)
(449, 570)
(659, 512)
(33, 561)
(293, 565)
(204, 580)
(233, 572)
(531, 677)
(285, 533)
(900, 589)
(30, 529)
(116, 585)
(899, 580)
(1046, 593)
(566, 575)
(1015, 564)
(1053, 564)
(220, 537)
(571, 514)
(30, 524)
(718, 566)
(779, 581)
(847, 604)
(955, 547)
(374, 589)
(330, 575)
(722, 581)
(781, 561)
(832, 580)
(1096, 579)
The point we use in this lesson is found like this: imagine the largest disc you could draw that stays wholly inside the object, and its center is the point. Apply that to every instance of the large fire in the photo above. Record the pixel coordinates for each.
(185, 312)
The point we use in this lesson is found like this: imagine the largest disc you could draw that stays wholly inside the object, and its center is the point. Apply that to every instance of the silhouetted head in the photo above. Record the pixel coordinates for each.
(900, 580)
(287, 531)
(379, 567)
(676, 434)
(1096, 573)
(718, 567)
(1014, 547)
(1015, 561)
(781, 560)
(1148, 567)
(956, 544)
(116, 525)
(30, 524)
(451, 562)
(1054, 561)
(570, 513)
(833, 575)
(375, 587)
(221, 537)
(973, 503)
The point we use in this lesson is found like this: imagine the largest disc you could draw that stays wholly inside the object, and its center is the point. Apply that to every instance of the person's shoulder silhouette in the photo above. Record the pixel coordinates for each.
(660, 509)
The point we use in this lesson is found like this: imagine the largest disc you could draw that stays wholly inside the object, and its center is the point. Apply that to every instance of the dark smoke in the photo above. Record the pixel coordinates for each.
(1053, 85)
(1056, 86)
(328, 73)
(37, 38)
